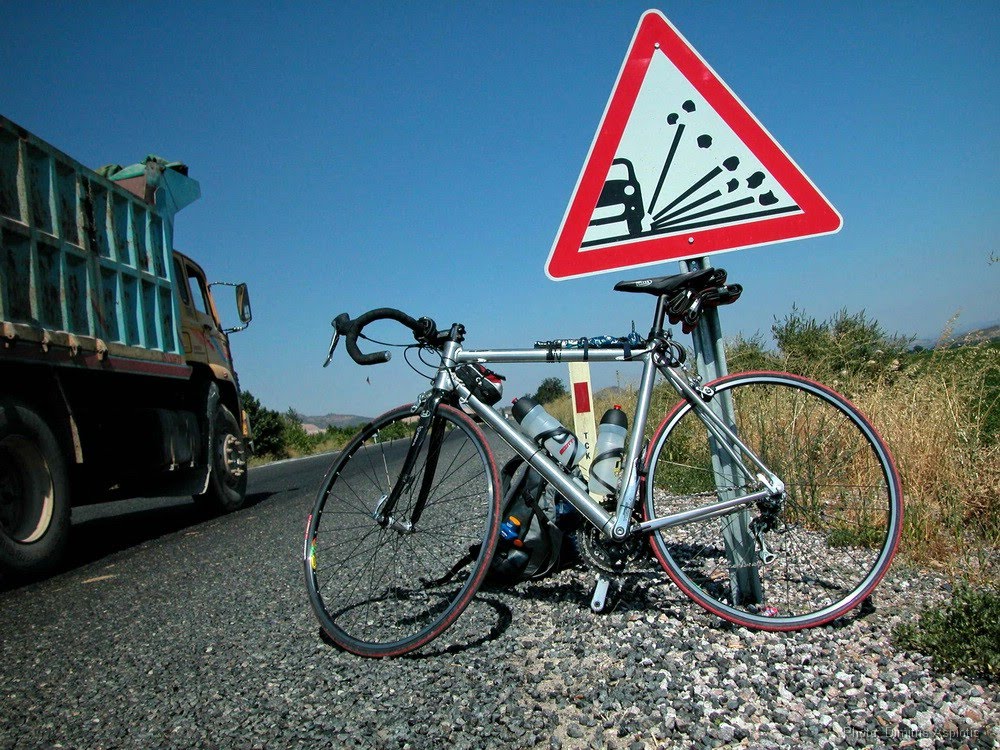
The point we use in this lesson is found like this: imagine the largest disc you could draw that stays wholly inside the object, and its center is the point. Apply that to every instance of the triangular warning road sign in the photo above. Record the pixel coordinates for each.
(679, 169)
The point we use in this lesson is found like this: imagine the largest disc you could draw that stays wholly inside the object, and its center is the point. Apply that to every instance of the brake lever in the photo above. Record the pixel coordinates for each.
(333, 345)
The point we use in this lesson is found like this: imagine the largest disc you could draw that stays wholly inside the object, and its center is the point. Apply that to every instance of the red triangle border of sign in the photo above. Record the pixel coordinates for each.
(817, 216)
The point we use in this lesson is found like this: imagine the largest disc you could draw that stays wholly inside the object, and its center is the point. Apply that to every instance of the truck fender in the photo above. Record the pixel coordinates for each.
(221, 373)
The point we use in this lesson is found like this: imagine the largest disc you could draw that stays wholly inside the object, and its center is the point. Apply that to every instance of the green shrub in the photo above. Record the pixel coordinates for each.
(847, 345)
(743, 354)
(964, 636)
(266, 425)
(277, 435)
(296, 440)
(550, 390)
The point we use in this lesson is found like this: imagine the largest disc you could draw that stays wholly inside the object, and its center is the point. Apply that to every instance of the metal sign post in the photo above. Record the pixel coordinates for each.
(710, 360)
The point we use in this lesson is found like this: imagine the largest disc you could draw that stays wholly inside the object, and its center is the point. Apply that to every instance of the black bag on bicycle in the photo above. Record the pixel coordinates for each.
(530, 543)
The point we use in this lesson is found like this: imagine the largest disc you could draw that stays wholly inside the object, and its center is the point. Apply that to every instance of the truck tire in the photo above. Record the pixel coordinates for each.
(34, 493)
(227, 480)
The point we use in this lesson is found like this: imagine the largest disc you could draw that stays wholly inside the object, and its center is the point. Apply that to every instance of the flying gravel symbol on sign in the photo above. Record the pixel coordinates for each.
(727, 192)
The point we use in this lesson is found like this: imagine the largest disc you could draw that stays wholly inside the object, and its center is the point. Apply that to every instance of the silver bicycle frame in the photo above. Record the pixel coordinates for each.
(619, 524)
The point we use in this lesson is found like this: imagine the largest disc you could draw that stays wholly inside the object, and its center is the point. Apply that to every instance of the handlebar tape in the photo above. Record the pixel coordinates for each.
(351, 329)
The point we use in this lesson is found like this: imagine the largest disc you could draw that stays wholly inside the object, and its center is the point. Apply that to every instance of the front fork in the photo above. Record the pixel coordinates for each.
(428, 428)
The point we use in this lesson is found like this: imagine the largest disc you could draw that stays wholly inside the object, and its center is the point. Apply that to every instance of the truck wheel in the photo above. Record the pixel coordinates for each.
(227, 481)
(34, 493)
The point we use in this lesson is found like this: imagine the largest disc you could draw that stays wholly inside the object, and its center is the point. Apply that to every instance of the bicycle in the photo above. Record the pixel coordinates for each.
(767, 498)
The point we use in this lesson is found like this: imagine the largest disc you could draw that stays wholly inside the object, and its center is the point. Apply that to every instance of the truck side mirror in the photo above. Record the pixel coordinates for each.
(243, 304)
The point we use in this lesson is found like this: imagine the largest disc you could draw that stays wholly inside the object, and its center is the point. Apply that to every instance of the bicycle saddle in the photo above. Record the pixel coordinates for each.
(694, 281)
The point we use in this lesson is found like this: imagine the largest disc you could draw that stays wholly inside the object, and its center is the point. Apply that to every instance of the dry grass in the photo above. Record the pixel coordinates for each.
(938, 422)
(938, 413)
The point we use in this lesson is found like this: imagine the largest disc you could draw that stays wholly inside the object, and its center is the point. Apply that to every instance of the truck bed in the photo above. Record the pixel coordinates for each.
(86, 271)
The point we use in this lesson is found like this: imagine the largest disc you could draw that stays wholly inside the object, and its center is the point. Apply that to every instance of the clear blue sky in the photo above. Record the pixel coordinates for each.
(421, 155)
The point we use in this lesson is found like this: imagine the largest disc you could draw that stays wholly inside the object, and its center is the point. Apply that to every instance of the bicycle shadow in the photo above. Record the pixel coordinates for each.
(628, 594)
(646, 593)
(465, 642)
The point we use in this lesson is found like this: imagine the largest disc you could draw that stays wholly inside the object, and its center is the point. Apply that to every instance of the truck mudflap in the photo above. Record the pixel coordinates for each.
(225, 489)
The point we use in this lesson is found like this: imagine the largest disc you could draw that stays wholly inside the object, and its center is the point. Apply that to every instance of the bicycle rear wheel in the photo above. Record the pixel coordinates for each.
(832, 536)
(386, 589)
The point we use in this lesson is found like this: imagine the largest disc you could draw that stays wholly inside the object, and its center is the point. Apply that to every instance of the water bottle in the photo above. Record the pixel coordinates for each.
(608, 452)
(546, 430)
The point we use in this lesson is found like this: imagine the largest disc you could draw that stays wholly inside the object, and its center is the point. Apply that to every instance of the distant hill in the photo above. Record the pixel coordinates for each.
(984, 334)
(979, 335)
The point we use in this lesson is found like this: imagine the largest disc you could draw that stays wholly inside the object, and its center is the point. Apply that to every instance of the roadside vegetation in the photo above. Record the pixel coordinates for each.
(277, 435)
(963, 636)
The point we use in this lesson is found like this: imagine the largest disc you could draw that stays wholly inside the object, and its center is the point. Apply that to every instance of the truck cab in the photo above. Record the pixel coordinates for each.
(203, 338)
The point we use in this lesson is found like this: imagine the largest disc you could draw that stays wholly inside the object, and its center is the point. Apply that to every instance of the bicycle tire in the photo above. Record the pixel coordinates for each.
(383, 591)
(838, 528)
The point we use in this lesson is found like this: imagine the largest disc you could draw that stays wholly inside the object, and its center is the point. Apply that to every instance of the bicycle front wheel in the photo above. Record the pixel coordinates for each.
(797, 562)
(383, 585)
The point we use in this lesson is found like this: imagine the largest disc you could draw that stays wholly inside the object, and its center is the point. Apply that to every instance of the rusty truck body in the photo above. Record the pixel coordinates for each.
(116, 376)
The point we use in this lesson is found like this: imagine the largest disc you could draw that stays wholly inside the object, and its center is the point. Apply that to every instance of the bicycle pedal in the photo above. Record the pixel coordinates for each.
(600, 598)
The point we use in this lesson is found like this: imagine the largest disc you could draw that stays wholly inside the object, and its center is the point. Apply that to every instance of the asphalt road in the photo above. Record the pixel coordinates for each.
(158, 616)
(167, 629)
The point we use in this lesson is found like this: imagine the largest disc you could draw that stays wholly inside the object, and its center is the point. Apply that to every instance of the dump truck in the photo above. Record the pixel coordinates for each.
(116, 375)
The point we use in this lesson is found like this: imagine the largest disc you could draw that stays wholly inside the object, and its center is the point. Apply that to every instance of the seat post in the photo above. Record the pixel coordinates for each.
(661, 312)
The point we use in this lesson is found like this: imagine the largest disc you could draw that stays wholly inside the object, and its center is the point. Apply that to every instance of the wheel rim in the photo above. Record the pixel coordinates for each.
(233, 459)
(833, 538)
(27, 494)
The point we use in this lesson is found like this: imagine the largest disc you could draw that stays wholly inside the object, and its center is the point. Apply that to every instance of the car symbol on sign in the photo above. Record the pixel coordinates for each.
(621, 198)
